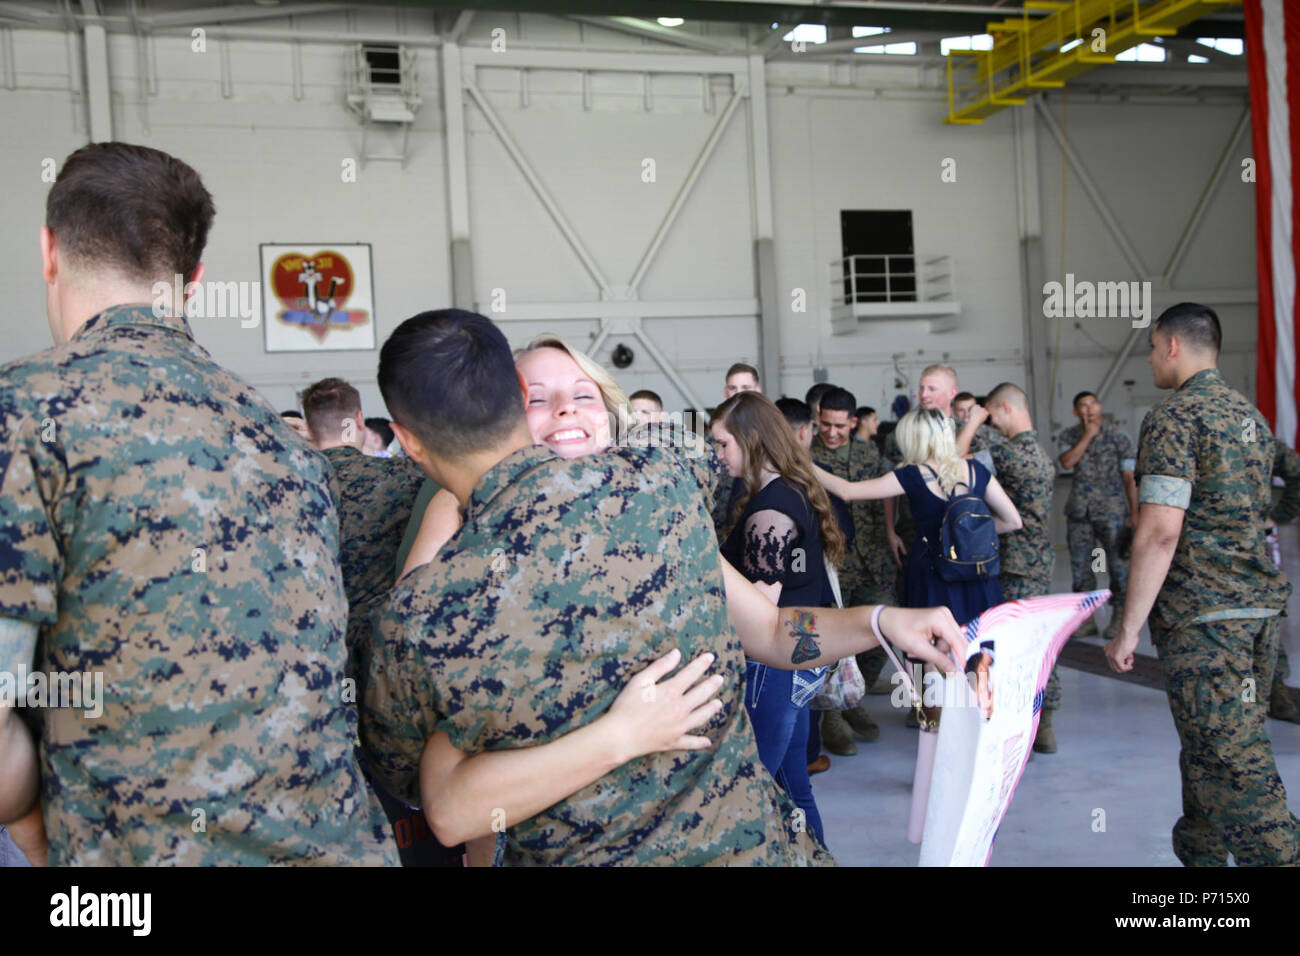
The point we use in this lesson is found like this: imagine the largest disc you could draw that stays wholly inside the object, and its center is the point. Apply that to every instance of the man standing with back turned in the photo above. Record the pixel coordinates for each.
(1201, 569)
(162, 527)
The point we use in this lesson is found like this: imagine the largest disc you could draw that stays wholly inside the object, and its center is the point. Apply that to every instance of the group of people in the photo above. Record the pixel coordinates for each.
(558, 627)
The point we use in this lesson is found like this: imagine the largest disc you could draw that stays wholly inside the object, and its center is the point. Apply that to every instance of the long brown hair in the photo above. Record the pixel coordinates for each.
(766, 438)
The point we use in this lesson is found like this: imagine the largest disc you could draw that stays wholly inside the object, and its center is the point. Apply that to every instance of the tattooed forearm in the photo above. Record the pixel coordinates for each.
(803, 630)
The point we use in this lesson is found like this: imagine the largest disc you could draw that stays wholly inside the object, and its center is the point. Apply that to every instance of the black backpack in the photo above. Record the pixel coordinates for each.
(968, 540)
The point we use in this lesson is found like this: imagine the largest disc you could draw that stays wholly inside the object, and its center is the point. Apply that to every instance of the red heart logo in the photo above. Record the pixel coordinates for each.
(313, 289)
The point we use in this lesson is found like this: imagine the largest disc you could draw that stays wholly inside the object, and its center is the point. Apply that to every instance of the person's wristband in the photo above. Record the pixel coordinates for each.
(875, 623)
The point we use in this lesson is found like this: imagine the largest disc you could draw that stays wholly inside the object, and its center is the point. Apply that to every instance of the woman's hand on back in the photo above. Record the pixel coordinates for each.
(655, 713)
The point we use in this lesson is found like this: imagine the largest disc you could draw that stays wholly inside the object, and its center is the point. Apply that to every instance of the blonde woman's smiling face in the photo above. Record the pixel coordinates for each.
(564, 408)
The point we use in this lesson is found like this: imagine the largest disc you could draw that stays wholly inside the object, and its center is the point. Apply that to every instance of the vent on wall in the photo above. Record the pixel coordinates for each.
(383, 90)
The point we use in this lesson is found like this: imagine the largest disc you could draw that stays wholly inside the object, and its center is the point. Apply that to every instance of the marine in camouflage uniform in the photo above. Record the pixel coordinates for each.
(1097, 511)
(375, 500)
(1206, 450)
(1027, 475)
(165, 528)
(1286, 465)
(868, 574)
(567, 578)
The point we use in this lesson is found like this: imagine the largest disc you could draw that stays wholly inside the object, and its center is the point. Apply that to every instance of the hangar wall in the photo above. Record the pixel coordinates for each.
(264, 122)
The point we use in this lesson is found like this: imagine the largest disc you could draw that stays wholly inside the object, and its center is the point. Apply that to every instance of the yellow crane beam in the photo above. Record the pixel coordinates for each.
(1028, 55)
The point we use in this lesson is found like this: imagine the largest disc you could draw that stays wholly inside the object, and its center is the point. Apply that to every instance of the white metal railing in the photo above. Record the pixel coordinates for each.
(892, 277)
(370, 87)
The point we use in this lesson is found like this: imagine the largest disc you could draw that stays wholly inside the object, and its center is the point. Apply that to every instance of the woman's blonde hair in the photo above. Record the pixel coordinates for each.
(926, 434)
(611, 394)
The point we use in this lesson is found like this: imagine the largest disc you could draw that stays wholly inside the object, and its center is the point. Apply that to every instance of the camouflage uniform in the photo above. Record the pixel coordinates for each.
(1286, 465)
(375, 498)
(868, 574)
(568, 577)
(1027, 475)
(162, 526)
(1097, 510)
(1205, 449)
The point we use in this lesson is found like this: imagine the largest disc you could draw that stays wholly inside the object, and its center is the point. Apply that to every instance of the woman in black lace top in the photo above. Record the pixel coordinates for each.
(781, 534)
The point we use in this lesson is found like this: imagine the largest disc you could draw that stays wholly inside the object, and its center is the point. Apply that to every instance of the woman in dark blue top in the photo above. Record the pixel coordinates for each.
(781, 533)
(932, 472)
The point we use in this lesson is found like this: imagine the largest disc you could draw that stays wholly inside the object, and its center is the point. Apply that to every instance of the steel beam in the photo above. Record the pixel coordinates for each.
(552, 207)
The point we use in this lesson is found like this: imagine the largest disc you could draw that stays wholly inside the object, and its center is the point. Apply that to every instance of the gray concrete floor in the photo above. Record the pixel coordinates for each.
(1118, 753)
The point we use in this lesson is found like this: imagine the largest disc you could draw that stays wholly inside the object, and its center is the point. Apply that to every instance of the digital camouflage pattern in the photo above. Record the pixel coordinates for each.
(1233, 799)
(174, 534)
(1207, 450)
(1097, 511)
(1027, 476)
(1286, 465)
(867, 575)
(568, 577)
(375, 498)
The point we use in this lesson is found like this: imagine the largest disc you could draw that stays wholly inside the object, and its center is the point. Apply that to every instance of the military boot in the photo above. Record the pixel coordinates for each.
(1087, 629)
(1281, 706)
(1045, 742)
(1116, 619)
(862, 724)
(836, 736)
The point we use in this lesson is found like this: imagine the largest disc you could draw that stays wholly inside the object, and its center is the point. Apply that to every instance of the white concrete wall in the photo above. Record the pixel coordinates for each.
(869, 137)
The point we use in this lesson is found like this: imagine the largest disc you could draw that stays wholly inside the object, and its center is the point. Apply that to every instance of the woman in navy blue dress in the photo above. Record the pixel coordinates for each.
(781, 533)
(931, 472)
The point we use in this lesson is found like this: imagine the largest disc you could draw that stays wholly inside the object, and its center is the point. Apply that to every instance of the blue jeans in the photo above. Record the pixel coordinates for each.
(781, 731)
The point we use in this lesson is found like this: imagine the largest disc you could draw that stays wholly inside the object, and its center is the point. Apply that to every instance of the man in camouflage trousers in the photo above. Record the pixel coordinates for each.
(867, 576)
(1202, 571)
(165, 530)
(1102, 502)
(1027, 475)
(375, 497)
(1286, 466)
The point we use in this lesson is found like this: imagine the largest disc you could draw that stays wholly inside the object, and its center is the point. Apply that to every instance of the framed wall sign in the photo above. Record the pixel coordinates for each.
(317, 297)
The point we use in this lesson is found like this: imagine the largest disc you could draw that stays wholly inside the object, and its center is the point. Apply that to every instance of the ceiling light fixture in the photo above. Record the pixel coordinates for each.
(671, 21)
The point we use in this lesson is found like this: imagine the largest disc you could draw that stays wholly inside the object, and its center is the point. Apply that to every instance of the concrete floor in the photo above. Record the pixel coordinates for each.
(1118, 753)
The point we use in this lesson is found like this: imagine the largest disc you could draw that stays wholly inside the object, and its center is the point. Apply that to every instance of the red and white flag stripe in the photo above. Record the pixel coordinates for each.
(1273, 61)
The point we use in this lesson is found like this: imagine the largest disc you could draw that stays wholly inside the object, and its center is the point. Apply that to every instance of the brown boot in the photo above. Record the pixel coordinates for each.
(861, 722)
(1087, 629)
(1045, 742)
(836, 736)
(820, 765)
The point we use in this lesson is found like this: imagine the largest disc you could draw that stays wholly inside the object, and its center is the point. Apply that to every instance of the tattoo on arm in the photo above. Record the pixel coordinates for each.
(803, 630)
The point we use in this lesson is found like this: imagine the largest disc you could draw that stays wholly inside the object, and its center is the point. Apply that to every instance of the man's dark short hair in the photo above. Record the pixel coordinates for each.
(864, 411)
(327, 403)
(739, 367)
(797, 413)
(836, 399)
(1080, 397)
(1008, 392)
(130, 209)
(963, 397)
(646, 395)
(1192, 324)
(449, 376)
(382, 428)
(814, 395)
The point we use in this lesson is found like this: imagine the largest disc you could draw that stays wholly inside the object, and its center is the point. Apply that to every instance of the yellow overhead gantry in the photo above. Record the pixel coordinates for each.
(1028, 53)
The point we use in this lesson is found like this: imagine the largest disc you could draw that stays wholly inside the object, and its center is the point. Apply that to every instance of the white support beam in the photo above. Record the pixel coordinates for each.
(460, 26)
(667, 367)
(651, 30)
(628, 309)
(519, 59)
(679, 201)
(1094, 193)
(99, 102)
(1226, 158)
(769, 314)
(454, 145)
(22, 13)
(208, 16)
(548, 201)
(842, 47)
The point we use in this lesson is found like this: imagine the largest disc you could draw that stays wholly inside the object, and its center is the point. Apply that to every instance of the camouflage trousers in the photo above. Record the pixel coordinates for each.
(1014, 588)
(1086, 534)
(1217, 678)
